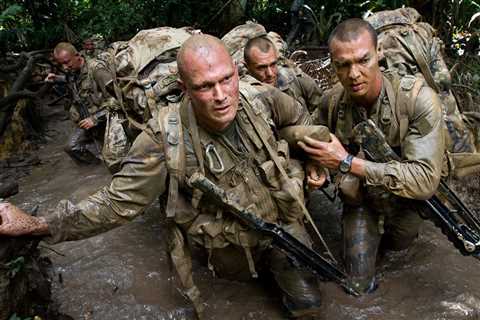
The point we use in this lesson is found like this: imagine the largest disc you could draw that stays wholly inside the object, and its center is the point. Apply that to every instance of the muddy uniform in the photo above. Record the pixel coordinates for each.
(381, 204)
(89, 99)
(236, 160)
(300, 86)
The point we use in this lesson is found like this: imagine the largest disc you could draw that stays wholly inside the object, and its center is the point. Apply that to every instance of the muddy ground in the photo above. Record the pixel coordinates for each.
(125, 274)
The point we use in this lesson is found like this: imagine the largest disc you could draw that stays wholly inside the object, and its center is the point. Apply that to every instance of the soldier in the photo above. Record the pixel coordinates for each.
(377, 196)
(86, 80)
(261, 59)
(93, 46)
(219, 133)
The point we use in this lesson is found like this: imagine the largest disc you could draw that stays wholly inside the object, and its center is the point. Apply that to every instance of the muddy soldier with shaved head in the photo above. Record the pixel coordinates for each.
(85, 79)
(378, 210)
(218, 130)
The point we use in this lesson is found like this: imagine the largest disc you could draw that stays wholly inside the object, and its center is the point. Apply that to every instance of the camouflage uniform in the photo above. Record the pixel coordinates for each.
(88, 90)
(381, 204)
(98, 47)
(237, 161)
(412, 47)
(299, 86)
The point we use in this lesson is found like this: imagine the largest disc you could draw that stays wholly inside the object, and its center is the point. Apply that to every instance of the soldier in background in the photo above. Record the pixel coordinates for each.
(93, 46)
(262, 62)
(86, 79)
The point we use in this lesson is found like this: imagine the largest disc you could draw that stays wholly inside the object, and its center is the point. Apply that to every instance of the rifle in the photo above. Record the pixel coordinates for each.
(444, 208)
(79, 103)
(280, 238)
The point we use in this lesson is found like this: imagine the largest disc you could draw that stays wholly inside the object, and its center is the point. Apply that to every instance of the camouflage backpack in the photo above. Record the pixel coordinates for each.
(409, 46)
(146, 70)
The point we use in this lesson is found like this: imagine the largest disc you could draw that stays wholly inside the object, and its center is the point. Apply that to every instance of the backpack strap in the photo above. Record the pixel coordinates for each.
(406, 96)
(171, 127)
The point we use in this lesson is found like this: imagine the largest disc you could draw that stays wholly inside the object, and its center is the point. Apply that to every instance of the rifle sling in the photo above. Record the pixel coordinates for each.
(276, 160)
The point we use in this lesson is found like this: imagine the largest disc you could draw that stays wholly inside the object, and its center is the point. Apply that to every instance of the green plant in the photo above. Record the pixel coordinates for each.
(15, 317)
(15, 266)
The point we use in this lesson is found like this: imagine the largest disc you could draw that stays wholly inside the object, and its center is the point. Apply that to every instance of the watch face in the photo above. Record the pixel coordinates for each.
(345, 164)
(344, 167)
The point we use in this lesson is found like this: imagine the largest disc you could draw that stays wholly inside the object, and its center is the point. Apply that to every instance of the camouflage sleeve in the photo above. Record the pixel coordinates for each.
(418, 175)
(102, 76)
(287, 111)
(320, 114)
(311, 92)
(141, 180)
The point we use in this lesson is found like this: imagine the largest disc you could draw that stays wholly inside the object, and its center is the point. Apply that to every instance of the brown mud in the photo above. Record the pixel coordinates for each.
(125, 273)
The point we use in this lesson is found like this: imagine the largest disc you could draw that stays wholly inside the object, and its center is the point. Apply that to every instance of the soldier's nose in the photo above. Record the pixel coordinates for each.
(218, 92)
(353, 73)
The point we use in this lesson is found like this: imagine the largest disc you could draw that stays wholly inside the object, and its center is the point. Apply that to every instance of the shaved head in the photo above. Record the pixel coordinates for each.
(350, 30)
(198, 46)
(209, 78)
(64, 46)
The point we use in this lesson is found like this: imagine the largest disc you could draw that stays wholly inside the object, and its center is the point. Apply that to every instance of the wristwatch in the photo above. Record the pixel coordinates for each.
(346, 164)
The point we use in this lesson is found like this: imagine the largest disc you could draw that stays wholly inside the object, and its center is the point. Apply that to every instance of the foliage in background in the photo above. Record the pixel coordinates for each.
(35, 24)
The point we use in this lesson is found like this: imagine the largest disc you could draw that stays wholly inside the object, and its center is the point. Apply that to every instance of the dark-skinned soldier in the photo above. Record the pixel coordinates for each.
(378, 211)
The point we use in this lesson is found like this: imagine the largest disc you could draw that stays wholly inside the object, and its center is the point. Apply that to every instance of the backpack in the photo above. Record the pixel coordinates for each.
(146, 70)
(408, 46)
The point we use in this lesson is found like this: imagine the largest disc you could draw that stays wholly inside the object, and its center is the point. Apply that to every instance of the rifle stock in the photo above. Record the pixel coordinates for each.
(281, 239)
(444, 208)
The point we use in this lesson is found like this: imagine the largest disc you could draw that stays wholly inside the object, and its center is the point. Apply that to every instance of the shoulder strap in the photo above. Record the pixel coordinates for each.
(407, 92)
(337, 93)
(171, 128)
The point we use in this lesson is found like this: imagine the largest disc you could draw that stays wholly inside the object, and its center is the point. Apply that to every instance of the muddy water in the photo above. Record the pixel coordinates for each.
(125, 274)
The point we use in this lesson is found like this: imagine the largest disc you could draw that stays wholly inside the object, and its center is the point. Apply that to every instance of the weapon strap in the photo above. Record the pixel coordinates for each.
(277, 162)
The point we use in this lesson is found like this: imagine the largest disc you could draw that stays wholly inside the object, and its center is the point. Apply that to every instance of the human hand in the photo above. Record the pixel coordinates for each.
(50, 77)
(86, 123)
(316, 176)
(327, 154)
(15, 222)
